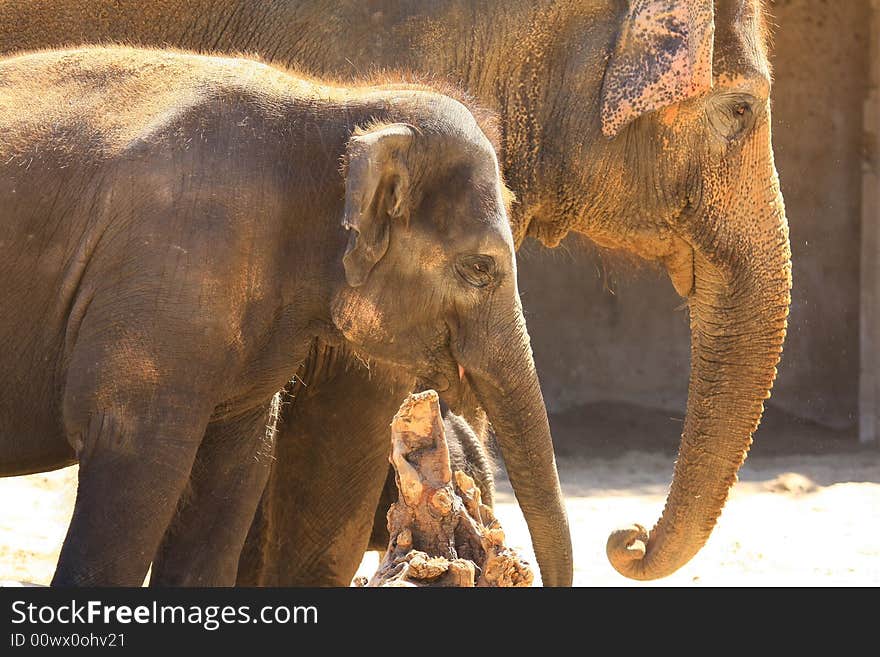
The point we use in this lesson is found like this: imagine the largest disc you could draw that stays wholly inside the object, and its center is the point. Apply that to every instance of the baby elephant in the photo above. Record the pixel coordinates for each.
(177, 230)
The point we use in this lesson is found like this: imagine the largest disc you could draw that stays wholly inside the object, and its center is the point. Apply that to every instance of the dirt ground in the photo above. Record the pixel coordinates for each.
(805, 512)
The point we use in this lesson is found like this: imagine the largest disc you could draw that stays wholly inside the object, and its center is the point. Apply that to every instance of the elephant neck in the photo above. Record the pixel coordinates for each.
(538, 65)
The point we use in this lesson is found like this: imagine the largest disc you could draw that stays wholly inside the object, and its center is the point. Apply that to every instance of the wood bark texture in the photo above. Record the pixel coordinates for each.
(441, 533)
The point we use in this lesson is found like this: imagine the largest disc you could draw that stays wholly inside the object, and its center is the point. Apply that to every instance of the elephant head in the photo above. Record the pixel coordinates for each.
(686, 93)
(674, 161)
(431, 289)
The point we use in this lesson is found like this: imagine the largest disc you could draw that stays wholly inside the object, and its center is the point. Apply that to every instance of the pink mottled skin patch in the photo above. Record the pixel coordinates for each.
(678, 74)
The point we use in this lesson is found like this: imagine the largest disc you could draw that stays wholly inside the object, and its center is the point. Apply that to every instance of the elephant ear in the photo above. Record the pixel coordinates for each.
(376, 192)
(663, 56)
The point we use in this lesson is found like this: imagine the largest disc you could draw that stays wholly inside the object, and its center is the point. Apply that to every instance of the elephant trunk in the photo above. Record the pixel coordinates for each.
(738, 310)
(506, 384)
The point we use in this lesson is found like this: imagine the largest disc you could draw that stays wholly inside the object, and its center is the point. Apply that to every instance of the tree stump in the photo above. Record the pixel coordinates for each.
(440, 532)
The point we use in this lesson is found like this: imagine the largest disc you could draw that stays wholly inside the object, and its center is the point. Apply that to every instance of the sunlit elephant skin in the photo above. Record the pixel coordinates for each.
(644, 124)
(179, 231)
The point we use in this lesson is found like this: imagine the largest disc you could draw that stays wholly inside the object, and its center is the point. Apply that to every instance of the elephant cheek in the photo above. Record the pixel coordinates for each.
(358, 318)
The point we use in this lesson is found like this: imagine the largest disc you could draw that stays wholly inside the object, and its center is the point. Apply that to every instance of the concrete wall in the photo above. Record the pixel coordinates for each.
(606, 332)
(869, 320)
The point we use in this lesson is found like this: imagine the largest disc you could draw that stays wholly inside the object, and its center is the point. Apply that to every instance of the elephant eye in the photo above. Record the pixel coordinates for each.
(742, 120)
(732, 116)
(477, 270)
(740, 109)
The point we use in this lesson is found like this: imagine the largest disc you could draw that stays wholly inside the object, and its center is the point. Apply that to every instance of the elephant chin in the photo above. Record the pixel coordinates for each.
(450, 383)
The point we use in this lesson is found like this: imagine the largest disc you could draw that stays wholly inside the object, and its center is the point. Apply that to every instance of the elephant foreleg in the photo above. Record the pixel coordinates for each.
(134, 466)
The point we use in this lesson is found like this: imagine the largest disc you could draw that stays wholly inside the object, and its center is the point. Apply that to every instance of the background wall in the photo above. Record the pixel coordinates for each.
(621, 336)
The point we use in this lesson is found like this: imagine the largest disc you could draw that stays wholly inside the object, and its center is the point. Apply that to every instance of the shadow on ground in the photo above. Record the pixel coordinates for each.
(612, 428)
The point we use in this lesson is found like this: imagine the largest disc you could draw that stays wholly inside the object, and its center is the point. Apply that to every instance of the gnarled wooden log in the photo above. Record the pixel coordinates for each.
(441, 533)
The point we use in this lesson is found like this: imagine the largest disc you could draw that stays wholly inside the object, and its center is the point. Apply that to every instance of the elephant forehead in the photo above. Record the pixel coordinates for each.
(750, 79)
(740, 41)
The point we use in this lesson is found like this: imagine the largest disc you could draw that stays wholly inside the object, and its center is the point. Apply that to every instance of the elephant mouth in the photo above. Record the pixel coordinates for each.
(448, 379)
(549, 233)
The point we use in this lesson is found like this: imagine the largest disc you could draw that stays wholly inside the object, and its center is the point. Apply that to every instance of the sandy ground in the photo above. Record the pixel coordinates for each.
(797, 517)
(792, 520)
(796, 520)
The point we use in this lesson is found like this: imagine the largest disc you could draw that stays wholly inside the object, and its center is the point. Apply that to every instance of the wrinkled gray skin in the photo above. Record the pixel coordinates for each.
(469, 453)
(177, 234)
(681, 174)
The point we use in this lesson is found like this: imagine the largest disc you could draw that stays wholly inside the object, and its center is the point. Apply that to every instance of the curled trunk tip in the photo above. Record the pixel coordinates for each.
(626, 549)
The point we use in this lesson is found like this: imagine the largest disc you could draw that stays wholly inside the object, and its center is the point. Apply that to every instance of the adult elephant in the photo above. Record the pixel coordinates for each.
(644, 124)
